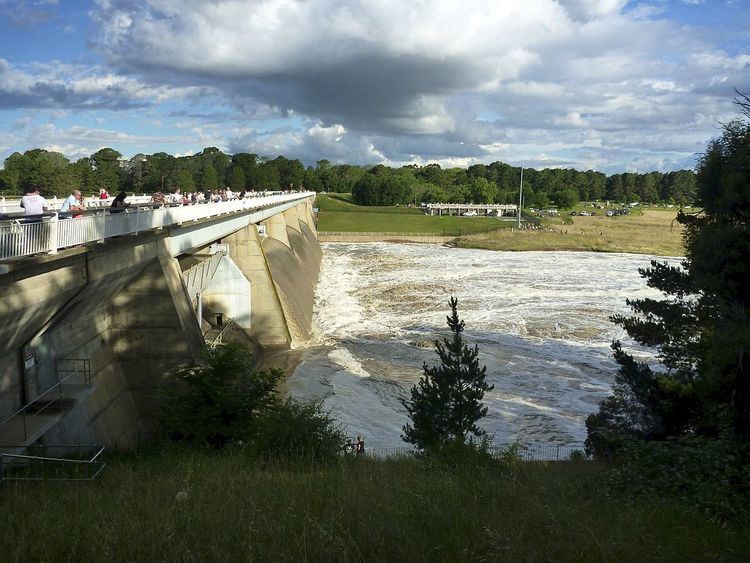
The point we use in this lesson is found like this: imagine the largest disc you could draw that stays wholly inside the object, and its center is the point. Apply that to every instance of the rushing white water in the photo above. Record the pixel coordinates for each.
(541, 320)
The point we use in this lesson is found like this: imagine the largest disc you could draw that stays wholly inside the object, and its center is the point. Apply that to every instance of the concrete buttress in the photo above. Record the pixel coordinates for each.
(268, 323)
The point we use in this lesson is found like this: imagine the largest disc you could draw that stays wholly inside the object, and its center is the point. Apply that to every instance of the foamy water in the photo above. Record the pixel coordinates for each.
(540, 320)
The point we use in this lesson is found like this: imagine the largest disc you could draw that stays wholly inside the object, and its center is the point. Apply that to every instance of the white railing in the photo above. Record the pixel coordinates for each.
(21, 239)
(13, 204)
(49, 233)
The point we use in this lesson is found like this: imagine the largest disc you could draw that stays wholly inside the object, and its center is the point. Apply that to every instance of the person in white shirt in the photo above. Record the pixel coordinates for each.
(175, 198)
(73, 200)
(33, 203)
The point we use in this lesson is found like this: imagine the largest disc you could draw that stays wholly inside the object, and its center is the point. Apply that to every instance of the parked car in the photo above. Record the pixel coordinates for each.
(470, 213)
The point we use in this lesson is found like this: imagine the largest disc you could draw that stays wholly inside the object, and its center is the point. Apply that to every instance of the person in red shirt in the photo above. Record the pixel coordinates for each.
(103, 194)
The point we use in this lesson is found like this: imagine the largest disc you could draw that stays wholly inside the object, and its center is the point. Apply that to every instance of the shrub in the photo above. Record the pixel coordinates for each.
(703, 473)
(577, 456)
(292, 430)
(218, 401)
(469, 454)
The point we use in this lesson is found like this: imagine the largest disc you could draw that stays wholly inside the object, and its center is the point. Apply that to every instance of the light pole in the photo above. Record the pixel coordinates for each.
(520, 196)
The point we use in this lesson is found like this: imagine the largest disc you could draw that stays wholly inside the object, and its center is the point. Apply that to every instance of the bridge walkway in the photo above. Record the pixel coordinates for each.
(50, 232)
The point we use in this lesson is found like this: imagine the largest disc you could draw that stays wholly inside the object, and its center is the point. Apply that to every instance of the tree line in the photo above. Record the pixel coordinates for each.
(499, 183)
(54, 174)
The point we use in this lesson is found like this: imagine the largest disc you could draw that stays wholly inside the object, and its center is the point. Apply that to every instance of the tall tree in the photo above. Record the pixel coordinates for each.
(157, 171)
(701, 331)
(209, 178)
(107, 173)
(185, 181)
(236, 178)
(49, 171)
(446, 403)
(483, 191)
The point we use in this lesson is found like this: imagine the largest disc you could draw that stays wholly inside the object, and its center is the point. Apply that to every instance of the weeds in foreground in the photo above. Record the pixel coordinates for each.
(235, 508)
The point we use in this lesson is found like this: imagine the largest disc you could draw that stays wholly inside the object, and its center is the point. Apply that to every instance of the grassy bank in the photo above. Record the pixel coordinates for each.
(653, 232)
(355, 510)
(339, 214)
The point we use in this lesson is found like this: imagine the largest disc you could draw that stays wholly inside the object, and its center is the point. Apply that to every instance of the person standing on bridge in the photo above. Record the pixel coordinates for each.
(157, 199)
(118, 204)
(72, 203)
(175, 198)
(33, 204)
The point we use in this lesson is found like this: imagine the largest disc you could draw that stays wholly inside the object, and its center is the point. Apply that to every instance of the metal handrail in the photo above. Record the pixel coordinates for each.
(218, 340)
(37, 462)
(85, 369)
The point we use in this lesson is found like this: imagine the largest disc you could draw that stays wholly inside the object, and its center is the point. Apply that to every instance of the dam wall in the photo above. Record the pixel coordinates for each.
(124, 308)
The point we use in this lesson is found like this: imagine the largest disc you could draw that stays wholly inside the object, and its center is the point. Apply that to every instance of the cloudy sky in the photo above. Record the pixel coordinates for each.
(610, 85)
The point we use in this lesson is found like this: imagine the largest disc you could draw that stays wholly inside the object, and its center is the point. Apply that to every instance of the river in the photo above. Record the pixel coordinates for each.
(540, 319)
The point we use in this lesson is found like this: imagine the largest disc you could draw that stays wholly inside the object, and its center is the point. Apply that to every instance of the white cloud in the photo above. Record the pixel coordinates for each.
(77, 141)
(579, 81)
(68, 86)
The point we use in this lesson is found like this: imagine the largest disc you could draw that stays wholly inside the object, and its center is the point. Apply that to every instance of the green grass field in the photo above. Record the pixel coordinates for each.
(355, 510)
(339, 214)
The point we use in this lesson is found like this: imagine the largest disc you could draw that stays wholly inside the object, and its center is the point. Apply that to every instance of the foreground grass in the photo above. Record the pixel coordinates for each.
(653, 232)
(338, 214)
(354, 510)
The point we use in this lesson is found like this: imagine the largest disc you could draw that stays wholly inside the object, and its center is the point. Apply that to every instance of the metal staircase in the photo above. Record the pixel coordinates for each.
(23, 459)
(35, 418)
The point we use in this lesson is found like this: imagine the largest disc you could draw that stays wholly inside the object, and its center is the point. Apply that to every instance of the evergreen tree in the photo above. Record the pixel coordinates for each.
(209, 178)
(701, 330)
(236, 179)
(446, 404)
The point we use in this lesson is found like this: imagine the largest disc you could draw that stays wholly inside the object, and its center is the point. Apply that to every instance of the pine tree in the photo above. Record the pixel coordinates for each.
(446, 403)
(701, 330)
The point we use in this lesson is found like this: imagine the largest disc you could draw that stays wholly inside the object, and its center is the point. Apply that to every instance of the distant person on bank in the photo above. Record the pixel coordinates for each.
(359, 447)
(33, 204)
(103, 194)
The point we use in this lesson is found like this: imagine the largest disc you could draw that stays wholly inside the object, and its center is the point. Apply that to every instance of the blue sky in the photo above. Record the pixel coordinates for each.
(604, 84)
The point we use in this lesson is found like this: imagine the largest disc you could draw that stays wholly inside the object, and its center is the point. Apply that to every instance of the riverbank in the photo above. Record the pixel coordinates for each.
(236, 509)
(651, 232)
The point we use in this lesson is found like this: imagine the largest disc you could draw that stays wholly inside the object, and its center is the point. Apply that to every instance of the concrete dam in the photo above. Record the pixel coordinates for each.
(95, 311)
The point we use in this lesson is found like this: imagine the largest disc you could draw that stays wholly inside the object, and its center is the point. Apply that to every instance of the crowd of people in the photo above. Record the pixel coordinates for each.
(176, 197)
(35, 205)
